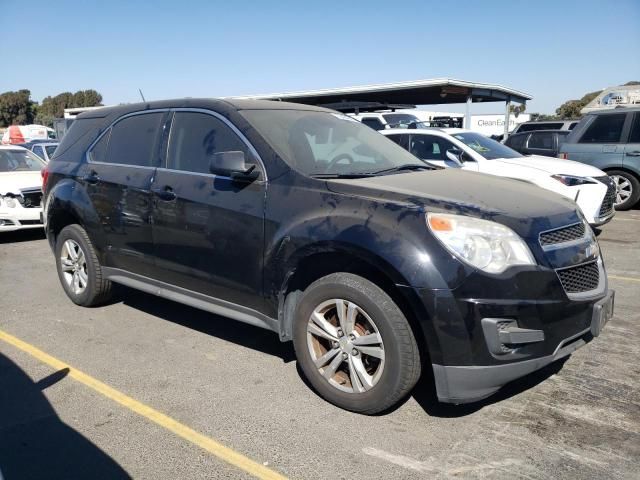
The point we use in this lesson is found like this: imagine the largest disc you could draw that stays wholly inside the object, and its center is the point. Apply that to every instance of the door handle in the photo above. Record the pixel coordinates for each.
(633, 154)
(165, 194)
(92, 177)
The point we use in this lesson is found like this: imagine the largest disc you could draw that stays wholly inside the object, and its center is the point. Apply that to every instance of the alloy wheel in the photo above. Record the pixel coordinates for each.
(624, 189)
(345, 346)
(74, 266)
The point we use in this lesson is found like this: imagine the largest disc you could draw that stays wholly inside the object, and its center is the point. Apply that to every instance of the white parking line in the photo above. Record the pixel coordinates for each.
(428, 467)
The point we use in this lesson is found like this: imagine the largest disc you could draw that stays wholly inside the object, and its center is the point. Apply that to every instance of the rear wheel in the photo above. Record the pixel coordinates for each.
(627, 189)
(354, 345)
(78, 268)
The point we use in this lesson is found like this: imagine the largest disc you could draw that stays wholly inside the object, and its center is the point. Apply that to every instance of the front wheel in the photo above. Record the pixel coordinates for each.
(627, 189)
(354, 345)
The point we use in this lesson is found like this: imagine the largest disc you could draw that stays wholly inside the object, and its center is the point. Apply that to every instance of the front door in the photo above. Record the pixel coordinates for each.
(433, 149)
(117, 178)
(208, 229)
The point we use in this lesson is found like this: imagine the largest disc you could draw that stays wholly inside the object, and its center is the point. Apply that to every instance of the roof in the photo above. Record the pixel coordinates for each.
(419, 92)
(619, 109)
(219, 105)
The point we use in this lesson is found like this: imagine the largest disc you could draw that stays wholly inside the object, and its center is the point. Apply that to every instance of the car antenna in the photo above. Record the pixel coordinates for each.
(140, 90)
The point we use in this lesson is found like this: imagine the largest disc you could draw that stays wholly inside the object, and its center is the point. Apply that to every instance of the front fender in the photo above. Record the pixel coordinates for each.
(393, 238)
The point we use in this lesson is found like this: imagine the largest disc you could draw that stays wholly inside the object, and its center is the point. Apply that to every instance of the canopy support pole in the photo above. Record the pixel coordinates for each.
(506, 118)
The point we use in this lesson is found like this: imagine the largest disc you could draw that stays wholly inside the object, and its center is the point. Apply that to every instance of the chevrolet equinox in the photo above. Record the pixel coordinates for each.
(305, 222)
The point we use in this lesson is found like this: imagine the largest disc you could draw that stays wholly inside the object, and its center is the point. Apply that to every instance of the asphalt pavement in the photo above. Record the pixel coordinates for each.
(114, 392)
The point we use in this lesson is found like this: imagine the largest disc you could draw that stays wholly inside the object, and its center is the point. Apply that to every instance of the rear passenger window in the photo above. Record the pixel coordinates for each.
(196, 137)
(134, 140)
(605, 129)
(99, 151)
(542, 141)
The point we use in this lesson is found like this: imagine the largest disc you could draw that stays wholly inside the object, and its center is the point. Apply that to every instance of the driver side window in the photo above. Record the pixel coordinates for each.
(430, 147)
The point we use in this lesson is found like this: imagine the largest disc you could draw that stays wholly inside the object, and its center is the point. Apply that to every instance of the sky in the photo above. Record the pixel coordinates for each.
(553, 50)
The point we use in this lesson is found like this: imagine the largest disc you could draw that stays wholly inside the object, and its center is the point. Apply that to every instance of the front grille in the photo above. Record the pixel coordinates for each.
(31, 198)
(607, 206)
(581, 278)
(30, 222)
(562, 235)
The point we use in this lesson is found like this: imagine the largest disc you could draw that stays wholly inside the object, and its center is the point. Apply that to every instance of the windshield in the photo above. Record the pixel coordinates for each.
(488, 148)
(323, 143)
(20, 161)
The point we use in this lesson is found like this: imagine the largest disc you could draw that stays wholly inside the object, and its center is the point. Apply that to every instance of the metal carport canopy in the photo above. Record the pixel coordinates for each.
(419, 92)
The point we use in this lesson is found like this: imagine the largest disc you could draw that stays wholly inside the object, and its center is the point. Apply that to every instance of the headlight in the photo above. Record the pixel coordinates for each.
(9, 201)
(572, 180)
(486, 245)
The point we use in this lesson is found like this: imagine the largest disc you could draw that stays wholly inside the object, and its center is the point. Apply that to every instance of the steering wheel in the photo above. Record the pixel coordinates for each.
(335, 161)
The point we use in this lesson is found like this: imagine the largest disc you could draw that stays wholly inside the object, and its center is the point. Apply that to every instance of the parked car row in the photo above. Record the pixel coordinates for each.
(20, 189)
(588, 186)
(303, 221)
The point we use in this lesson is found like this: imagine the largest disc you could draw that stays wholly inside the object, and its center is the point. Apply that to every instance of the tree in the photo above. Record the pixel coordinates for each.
(16, 108)
(571, 108)
(53, 107)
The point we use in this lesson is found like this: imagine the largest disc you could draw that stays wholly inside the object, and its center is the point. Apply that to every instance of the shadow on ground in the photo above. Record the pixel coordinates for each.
(22, 236)
(227, 329)
(34, 442)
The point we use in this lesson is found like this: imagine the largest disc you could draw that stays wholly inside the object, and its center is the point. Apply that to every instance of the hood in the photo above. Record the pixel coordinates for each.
(552, 166)
(525, 208)
(13, 182)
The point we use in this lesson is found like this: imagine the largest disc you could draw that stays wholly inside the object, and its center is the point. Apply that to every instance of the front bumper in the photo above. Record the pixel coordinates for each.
(596, 202)
(466, 364)
(19, 218)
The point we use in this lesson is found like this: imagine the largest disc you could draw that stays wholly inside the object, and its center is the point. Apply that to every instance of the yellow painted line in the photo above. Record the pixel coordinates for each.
(223, 453)
(628, 279)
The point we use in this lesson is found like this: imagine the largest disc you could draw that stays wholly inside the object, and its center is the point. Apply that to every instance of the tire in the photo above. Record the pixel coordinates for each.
(628, 186)
(391, 366)
(92, 288)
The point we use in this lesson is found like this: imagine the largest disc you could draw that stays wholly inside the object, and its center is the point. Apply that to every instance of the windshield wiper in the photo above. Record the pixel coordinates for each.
(408, 166)
(341, 175)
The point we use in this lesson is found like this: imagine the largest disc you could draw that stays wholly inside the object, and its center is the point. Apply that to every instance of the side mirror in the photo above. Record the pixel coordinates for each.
(233, 164)
(455, 155)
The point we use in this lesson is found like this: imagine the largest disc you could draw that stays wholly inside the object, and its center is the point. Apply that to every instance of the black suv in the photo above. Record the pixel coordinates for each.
(538, 142)
(305, 222)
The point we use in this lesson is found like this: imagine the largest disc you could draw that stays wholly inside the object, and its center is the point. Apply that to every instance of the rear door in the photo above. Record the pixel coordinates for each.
(599, 141)
(208, 230)
(117, 177)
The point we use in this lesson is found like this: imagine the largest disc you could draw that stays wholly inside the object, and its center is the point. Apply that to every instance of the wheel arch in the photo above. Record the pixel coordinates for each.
(317, 265)
(622, 169)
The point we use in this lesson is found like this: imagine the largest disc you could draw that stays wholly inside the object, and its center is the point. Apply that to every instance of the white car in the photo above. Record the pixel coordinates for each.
(20, 189)
(588, 186)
